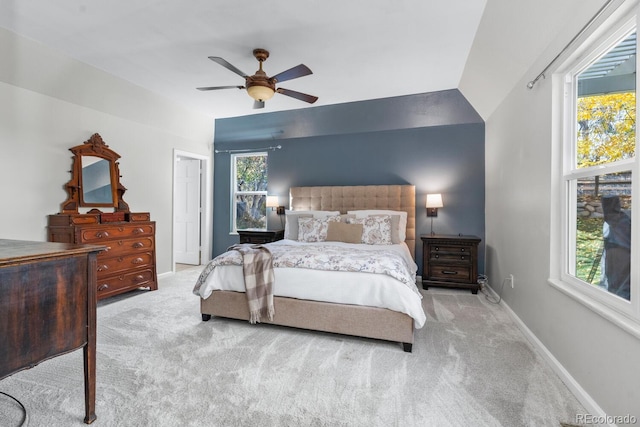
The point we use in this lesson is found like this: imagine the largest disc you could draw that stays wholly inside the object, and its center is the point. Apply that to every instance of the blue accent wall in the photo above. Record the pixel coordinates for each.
(434, 141)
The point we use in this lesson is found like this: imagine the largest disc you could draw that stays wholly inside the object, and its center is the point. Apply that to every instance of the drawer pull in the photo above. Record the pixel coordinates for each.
(449, 272)
(138, 231)
(103, 267)
(102, 234)
(138, 278)
(461, 249)
(137, 261)
(137, 245)
(463, 257)
(437, 256)
(103, 287)
(437, 248)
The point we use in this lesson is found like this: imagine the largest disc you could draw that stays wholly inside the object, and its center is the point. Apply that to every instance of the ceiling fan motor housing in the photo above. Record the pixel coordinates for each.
(259, 86)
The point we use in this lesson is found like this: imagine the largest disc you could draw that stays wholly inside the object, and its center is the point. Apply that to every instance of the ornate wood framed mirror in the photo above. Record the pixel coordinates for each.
(95, 178)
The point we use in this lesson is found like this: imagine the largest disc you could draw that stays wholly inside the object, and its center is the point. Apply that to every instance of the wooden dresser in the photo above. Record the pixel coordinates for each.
(130, 259)
(48, 307)
(450, 261)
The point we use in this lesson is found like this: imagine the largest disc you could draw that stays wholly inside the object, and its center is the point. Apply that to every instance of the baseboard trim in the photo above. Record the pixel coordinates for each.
(165, 274)
(583, 397)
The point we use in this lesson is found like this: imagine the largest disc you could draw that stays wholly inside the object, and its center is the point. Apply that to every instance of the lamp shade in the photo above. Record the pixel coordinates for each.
(434, 201)
(272, 202)
(260, 93)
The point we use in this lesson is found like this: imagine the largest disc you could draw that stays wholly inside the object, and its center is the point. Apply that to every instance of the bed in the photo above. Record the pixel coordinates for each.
(379, 306)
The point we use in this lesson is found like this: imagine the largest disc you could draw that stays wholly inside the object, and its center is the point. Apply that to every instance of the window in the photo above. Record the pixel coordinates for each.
(249, 191)
(599, 170)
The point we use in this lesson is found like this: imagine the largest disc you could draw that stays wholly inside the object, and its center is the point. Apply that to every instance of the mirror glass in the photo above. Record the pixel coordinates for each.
(96, 181)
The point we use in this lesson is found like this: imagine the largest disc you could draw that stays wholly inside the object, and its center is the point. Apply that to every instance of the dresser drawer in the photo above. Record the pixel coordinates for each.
(103, 234)
(127, 246)
(109, 266)
(119, 283)
(450, 273)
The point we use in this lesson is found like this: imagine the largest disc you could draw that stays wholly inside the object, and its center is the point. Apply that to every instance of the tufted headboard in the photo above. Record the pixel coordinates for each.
(354, 197)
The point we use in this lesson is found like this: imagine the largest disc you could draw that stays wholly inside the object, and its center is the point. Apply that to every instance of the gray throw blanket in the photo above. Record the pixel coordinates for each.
(257, 267)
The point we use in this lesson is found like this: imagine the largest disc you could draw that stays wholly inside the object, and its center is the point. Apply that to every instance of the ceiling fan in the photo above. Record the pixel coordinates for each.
(262, 87)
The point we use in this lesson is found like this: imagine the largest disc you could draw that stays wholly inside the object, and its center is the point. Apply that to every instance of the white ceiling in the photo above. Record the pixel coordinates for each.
(356, 50)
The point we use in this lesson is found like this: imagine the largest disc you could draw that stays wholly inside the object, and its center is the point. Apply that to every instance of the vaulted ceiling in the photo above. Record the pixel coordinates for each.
(356, 50)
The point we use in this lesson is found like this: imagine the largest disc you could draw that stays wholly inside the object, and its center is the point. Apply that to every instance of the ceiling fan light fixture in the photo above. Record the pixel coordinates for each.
(260, 93)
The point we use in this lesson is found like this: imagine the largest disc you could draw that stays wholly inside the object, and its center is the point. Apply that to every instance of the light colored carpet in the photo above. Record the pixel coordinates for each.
(158, 364)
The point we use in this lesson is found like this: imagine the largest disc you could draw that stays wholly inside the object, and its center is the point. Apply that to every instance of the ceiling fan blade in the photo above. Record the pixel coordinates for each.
(298, 95)
(219, 87)
(292, 73)
(258, 104)
(228, 66)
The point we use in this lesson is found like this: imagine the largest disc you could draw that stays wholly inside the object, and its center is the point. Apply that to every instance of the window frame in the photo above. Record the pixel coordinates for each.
(234, 186)
(625, 314)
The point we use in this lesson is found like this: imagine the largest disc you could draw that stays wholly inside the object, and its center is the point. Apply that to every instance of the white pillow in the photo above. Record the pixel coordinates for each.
(291, 220)
(402, 225)
(314, 229)
(376, 229)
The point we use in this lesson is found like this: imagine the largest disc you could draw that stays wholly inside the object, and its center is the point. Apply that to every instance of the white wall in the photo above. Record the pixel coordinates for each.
(50, 103)
(602, 358)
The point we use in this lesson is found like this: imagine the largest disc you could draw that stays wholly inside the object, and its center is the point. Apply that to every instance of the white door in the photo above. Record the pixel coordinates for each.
(187, 212)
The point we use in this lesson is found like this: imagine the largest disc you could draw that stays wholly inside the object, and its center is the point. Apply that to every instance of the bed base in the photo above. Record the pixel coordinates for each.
(356, 320)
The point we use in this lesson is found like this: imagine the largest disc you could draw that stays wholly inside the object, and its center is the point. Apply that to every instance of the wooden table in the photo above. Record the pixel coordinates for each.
(48, 307)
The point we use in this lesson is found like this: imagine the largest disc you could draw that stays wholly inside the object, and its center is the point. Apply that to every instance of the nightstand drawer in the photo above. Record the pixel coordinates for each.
(455, 254)
(449, 273)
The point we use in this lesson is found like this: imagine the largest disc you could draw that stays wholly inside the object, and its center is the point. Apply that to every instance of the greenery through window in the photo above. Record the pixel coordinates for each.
(599, 175)
(249, 191)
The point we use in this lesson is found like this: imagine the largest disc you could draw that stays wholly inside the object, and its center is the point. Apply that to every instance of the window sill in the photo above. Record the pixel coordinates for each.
(624, 322)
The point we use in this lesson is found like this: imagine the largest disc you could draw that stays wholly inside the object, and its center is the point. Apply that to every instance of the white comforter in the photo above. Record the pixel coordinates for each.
(396, 291)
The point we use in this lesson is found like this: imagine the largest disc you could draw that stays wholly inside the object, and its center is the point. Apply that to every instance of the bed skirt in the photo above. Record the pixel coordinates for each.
(361, 321)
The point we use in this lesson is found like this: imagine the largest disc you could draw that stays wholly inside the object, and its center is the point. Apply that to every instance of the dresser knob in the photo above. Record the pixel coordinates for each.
(138, 231)
(103, 267)
(138, 278)
(437, 256)
(137, 245)
(437, 248)
(137, 261)
(102, 234)
(463, 258)
(103, 287)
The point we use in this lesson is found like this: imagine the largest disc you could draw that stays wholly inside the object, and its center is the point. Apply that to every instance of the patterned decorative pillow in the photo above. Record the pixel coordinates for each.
(291, 220)
(314, 229)
(401, 231)
(376, 230)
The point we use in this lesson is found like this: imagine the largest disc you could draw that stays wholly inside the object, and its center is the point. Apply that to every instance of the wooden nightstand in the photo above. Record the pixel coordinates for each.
(450, 261)
(258, 236)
